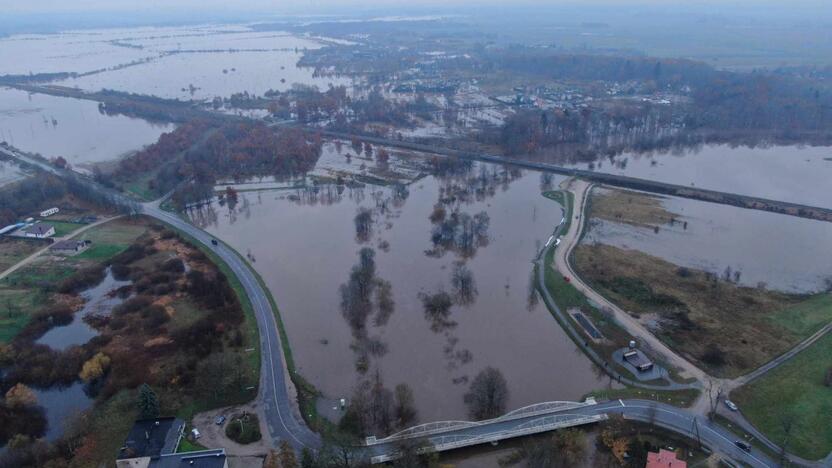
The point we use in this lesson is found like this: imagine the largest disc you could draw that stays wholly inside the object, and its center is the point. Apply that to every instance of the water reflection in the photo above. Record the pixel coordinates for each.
(452, 313)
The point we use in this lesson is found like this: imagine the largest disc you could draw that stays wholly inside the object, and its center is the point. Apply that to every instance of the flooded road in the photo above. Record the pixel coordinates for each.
(72, 128)
(783, 252)
(789, 173)
(374, 278)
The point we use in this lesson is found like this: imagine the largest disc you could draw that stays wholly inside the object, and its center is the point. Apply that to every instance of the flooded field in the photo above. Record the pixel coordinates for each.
(783, 252)
(72, 128)
(427, 283)
(789, 173)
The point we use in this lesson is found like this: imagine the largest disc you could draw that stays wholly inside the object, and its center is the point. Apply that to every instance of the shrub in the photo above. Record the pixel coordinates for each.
(243, 428)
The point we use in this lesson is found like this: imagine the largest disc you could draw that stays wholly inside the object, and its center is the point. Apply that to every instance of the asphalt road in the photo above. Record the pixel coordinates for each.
(669, 417)
(277, 403)
(282, 423)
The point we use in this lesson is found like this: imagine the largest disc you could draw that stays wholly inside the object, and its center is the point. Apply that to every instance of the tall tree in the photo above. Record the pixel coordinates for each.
(148, 402)
(488, 395)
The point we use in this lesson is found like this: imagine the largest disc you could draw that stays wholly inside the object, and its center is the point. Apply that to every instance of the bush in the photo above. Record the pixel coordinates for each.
(828, 379)
(84, 279)
(714, 356)
(243, 428)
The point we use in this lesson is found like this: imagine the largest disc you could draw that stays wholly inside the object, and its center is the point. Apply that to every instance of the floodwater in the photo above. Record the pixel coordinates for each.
(72, 128)
(61, 404)
(786, 253)
(790, 173)
(307, 246)
(100, 300)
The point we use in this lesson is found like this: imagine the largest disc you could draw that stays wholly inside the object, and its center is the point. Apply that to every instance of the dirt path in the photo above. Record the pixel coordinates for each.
(35, 255)
(580, 189)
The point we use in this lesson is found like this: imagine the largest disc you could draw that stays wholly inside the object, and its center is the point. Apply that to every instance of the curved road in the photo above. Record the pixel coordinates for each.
(280, 418)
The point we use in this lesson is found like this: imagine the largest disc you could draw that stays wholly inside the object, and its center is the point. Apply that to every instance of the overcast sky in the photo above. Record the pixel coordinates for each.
(318, 6)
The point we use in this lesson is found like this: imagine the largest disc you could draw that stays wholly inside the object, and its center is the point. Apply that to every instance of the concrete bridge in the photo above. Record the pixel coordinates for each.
(449, 435)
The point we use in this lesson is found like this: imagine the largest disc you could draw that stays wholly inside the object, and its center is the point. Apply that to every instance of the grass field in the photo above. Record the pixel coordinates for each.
(110, 239)
(696, 315)
(794, 391)
(63, 228)
(14, 250)
(16, 305)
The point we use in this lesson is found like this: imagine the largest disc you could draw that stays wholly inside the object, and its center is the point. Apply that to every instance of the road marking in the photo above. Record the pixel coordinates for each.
(622, 403)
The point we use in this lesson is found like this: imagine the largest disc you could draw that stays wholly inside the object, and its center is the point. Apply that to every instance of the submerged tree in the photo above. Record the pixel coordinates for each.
(488, 395)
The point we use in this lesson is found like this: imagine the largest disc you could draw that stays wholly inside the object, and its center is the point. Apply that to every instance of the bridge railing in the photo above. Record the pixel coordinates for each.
(453, 441)
(428, 429)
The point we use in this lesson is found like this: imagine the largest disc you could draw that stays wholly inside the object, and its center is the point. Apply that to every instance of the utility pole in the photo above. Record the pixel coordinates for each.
(696, 431)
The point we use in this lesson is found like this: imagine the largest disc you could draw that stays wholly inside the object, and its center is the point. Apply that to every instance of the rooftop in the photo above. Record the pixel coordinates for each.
(152, 437)
(201, 459)
(664, 459)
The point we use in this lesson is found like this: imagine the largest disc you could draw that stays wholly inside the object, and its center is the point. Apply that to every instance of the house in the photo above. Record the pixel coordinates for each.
(152, 438)
(214, 458)
(68, 247)
(152, 443)
(638, 360)
(39, 231)
(664, 459)
(49, 212)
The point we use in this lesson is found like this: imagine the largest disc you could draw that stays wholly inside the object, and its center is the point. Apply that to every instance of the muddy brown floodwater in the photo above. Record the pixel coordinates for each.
(334, 297)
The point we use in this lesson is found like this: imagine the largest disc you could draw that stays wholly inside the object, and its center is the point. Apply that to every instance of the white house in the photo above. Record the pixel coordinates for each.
(39, 231)
(49, 212)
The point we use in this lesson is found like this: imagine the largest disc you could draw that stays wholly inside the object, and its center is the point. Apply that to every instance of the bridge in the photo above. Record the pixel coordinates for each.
(449, 435)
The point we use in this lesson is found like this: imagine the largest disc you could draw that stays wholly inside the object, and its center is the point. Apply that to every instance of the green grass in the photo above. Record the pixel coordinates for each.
(567, 200)
(15, 250)
(110, 239)
(682, 398)
(806, 317)
(38, 274)
(63, 228)
(794, 390)
(16, 306)
(188, 446)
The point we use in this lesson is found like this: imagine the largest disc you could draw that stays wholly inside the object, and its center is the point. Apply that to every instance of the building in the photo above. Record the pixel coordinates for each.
(151, 438)
(215, 458)
(39, 231)
(152, 443)
(664, 459)
(638, 360)
(68, 247)
(49, 212)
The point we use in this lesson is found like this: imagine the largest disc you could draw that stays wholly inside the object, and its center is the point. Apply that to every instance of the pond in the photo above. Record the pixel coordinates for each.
(61, 404)
(798, 174)
(353, 271)
(72, 128)
(784, 252)
(99, 300)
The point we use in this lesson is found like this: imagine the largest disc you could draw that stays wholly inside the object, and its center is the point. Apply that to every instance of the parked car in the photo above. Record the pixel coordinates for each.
(745, 446)
(219, 420)
(731, 405)
(195, 433)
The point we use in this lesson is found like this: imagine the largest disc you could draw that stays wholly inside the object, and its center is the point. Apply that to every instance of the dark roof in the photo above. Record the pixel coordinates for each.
(637, 359)
(201, 459)
(152, 437)
(39, 228)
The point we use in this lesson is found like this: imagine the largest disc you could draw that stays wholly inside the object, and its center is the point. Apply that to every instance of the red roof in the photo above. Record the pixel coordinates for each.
(664, 459)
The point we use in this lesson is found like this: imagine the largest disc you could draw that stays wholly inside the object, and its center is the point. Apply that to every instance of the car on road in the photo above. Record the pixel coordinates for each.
(219, 420)
(744, 446)
(731, 405)
(214, 242)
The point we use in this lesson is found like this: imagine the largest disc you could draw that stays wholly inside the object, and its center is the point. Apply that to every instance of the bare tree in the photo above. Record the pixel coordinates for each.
(714, 395)
(488, 394)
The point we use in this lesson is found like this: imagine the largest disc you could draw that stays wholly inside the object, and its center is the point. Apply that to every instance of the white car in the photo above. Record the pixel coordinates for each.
(731, 405)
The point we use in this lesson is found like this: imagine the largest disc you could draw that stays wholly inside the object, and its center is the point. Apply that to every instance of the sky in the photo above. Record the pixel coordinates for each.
(312, 6)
